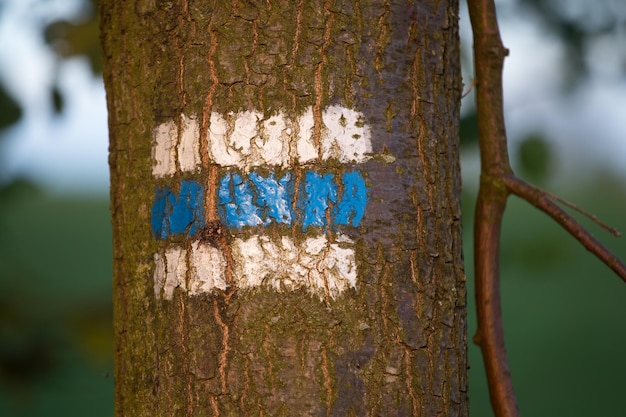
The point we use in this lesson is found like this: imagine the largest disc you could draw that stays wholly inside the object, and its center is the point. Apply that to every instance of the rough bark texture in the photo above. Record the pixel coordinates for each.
(395, 345)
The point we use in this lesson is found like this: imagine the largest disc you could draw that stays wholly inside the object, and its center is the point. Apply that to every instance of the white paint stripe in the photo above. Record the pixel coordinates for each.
(163, 150)
(219, 149)
(305, 144)
(159, 275)
(170, 272)
(247, 140)
(273, 143)
(207, 270)
(347, 137)
(321, 267)
(189, 147)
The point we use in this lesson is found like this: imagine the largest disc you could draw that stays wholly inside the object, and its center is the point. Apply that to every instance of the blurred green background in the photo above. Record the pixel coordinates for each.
(56, 330)
(563, 309)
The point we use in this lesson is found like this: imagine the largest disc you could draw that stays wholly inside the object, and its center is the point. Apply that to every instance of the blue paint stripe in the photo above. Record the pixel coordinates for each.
(258, 200)
(178, 213)
(274, 196)
(159, 216)
(318, 193)
(351, 208)
(236, 207)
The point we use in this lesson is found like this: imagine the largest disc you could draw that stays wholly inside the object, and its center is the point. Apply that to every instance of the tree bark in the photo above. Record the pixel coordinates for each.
(264, 263)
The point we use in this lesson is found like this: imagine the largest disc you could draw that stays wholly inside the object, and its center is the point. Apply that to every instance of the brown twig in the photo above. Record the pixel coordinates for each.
(490, 334)
(541, 200)
(489, 56)
(497, 181)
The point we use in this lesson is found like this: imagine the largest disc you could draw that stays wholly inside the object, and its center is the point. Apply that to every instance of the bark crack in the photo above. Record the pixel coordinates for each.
(183, 333)
(327, 381)
(223, 357)
(409, 378)
(319, 93)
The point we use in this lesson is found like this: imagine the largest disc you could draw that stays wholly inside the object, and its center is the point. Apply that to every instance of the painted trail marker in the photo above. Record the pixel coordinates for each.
(268, 179)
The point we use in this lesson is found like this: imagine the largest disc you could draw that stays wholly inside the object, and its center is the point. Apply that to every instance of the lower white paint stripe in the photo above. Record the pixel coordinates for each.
(170, 272)
(323, 268)
(206, 268)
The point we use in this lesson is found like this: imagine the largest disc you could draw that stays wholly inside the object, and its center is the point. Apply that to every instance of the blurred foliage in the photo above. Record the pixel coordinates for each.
(576, 25)
(469, 129)
(79, 37)
(56, 332)
(535, 158)
(28, 346)
(58, 103)
(10, 110)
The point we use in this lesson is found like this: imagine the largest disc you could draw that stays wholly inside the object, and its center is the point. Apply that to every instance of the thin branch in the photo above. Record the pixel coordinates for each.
(489, 54)
(590, 216)
(490, 333)
(541, 200)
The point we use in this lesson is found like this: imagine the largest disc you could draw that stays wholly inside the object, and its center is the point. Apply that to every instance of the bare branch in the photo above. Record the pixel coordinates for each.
(542, 201)
(489, 54)
(490, 333)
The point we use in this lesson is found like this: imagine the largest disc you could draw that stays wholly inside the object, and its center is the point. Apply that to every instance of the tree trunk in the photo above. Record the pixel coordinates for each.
(286, 207)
